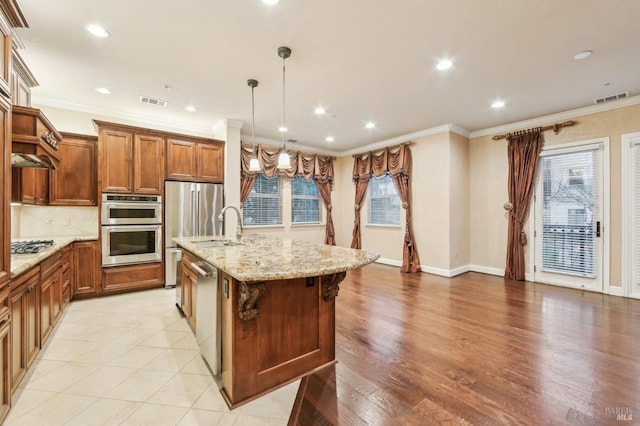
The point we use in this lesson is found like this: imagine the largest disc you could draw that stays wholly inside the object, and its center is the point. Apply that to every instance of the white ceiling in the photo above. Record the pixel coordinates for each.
(361, 59)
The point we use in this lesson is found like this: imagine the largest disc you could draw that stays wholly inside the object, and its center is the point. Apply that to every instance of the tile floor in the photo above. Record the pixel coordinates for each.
(131, 360)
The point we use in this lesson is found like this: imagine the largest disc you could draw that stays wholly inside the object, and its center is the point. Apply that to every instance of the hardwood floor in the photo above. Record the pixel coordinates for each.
(475, 349)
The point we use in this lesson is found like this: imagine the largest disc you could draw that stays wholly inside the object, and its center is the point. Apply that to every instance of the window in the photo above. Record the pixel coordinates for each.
(384, 203)
(263, 206)
(305, 201)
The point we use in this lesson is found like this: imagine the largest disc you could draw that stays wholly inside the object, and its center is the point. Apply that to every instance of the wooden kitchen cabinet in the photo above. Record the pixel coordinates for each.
(67, 274)
(189, 289)
(5, 371)
(25, 323)
(195, 160)
(148, 164)
(132, 277)
(30, 186)
(86, 265)
(5, 196)
(75, 181)
(22, 80)
(50, 294)
(116, 157)
(131, 162)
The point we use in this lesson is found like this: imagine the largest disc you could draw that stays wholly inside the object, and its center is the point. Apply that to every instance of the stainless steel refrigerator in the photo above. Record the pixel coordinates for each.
(191, 210)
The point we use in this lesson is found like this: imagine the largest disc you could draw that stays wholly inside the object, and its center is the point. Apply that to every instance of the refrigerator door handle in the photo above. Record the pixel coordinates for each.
(194, 224)
(197, 210)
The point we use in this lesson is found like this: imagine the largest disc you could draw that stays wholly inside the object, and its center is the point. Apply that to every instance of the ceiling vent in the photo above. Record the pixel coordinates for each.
(612, 98)
(153, 101)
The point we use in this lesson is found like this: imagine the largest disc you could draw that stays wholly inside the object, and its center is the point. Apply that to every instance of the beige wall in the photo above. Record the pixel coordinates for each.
(488, 191)
(439, 182)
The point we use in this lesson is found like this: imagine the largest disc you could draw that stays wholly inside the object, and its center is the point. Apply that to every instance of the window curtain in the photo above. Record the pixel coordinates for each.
(361, 176)
(397, 163)
(318, 168)
(524, 155)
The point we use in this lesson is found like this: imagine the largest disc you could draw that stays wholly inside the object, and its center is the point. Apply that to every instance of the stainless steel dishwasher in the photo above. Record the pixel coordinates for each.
(208, 316)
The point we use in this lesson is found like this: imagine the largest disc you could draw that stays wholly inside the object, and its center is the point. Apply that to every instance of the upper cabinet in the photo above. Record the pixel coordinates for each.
(131, 160)
(195, 160)
(21, 81)
(5, 57)
(75, 181)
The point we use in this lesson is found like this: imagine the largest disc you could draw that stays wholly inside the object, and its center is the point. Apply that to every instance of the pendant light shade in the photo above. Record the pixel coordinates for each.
(254, 164)
(284, 162)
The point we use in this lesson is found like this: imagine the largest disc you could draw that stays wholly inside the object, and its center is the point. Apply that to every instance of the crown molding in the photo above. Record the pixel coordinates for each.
(409, 137)
(560, 116)
(139, 119)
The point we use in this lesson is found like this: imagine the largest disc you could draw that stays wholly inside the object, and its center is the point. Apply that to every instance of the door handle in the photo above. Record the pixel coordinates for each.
(201, 271)
(598, 229)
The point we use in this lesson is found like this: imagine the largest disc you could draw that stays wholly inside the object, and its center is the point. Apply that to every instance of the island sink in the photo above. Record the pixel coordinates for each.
(215, 243)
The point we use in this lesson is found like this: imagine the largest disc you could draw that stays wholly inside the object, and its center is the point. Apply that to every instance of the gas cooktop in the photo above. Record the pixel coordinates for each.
(29, 247)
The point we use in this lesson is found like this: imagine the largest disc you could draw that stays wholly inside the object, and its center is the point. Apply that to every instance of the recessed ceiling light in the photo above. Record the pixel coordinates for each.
(97, 30)
(270, 2)
(282, 129)
(329, 139)
(319, 110)
(582, 55)
(190, 108)
(370, 125)
(444, 64)
(497, 104)
(103, 90)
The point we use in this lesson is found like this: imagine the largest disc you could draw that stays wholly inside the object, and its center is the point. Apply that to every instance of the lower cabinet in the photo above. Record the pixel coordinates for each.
(86, 267)
(50, 303)
(188, 287)
(5, 353)
(25, 323)
(50, 294)
(132, 277)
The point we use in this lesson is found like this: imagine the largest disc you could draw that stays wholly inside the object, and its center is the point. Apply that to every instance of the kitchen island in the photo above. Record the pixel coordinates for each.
(276, 307)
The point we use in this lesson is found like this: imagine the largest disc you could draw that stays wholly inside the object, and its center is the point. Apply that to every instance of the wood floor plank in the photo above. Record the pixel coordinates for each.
(475, 349)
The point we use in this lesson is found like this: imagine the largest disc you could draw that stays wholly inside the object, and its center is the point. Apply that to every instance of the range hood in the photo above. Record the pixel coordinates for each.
(34, 140)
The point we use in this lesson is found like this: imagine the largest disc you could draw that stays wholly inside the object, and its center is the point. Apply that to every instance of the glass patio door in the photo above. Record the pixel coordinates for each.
(568, 218)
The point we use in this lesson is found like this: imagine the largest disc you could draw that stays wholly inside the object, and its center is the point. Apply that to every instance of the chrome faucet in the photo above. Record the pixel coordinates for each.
(239, 228)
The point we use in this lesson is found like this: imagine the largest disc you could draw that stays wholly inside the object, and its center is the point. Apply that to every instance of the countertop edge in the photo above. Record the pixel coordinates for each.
(21, 263)
(311, 270)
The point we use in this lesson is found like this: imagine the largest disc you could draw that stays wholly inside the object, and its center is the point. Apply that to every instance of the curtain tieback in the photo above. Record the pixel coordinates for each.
(523, 237)
(329, 206)
(405, 205)
(357, 207)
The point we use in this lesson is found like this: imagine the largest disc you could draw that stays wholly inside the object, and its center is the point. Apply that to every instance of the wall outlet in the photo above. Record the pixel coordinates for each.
(67, 222)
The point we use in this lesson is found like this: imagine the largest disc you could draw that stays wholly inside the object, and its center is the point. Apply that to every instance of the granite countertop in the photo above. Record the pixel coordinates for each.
(23, 262)
(261, 257)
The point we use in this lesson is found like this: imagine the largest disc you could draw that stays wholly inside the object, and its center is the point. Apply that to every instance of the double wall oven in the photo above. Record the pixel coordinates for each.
(131, 229)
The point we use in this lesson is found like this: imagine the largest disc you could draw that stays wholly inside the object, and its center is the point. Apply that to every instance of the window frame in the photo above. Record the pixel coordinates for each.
(305, 197)
(279, 197)
(392, 197)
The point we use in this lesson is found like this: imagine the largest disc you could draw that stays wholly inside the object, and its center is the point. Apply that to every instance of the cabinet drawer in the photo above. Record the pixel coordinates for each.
(49, 266)
(132, 277)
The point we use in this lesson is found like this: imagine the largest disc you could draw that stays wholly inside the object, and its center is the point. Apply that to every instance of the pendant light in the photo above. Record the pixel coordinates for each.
(284, 162)
(254, 164)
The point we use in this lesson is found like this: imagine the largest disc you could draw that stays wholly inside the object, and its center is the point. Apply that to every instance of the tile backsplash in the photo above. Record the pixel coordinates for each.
(43, 221)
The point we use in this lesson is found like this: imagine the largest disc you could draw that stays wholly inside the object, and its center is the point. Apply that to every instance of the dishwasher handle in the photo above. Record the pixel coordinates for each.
(199, 270)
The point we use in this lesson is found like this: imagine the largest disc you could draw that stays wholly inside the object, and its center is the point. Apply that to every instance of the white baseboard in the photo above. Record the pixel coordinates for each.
(447, 272)
(487, 270)
(389, 262)
(615, 291)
